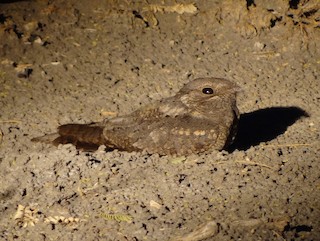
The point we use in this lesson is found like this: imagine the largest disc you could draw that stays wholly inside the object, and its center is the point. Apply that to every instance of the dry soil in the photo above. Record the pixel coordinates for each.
(83, 61)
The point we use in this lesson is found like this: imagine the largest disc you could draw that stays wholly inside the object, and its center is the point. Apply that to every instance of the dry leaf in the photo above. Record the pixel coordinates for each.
(204, 231)
(154, 204)
(25, 216)
(178, 8)
(108, 113)
(62, 220)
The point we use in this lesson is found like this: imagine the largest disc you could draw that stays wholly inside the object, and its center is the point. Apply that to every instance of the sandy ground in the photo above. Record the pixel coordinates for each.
(83, 61)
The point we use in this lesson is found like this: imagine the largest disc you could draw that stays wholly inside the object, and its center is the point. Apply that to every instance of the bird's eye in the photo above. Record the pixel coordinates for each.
(207, 91)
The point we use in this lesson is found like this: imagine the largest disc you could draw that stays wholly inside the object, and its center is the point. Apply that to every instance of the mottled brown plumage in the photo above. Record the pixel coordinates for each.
(202, 116)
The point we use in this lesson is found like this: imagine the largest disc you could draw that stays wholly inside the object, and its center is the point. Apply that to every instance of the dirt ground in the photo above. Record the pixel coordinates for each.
(82, 61)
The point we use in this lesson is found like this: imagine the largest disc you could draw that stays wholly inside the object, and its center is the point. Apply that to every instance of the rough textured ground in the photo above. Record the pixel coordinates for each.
(82, 61)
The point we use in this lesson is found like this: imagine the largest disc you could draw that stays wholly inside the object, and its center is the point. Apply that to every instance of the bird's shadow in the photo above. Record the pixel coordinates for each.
(264, 125)
(13, 1)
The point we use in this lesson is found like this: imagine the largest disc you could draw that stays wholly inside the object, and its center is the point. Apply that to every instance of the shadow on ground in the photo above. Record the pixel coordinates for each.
(264, 125)
(13, 1)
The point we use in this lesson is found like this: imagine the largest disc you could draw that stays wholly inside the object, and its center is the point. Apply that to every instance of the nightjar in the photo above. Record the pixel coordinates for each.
(202, 116)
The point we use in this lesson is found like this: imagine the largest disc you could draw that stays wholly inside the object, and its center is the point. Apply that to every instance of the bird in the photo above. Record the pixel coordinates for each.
(201, 117)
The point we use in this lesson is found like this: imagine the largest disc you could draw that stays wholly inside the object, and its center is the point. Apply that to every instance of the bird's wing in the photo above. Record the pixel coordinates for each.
(181, 135)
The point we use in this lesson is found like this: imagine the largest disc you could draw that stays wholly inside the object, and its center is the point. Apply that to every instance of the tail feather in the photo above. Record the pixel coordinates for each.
(48, 138)
(83, 136)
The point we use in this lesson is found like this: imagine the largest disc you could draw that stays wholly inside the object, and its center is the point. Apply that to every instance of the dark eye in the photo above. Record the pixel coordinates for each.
(207, 91)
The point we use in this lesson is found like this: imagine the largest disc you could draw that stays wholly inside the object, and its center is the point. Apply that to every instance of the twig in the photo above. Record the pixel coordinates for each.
(10, 121)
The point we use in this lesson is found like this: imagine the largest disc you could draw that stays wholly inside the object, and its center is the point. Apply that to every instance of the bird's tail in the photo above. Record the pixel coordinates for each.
(86, 137)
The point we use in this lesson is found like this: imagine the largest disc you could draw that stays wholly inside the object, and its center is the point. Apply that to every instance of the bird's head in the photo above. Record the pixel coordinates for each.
(204, 90)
